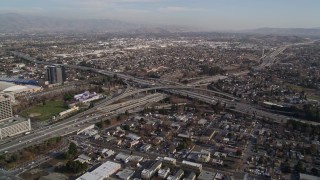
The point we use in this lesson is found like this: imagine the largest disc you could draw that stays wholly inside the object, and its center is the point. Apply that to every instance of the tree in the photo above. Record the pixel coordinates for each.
(43, 102)
(313, 149)
(75, 166)
(315, 172)
(285, 167)
(67, 97)
(100, 124)
(239, 152)
(126, 127)
(72, 149)
(299, 167)
(107, 122)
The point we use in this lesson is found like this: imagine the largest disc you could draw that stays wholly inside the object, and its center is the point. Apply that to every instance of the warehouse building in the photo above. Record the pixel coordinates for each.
(102, 172)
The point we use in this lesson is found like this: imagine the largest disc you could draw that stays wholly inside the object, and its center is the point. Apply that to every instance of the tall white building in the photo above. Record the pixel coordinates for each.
(10, 125)
(5, 107)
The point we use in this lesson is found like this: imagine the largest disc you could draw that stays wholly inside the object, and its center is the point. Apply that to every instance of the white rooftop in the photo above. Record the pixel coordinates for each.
(90, 176)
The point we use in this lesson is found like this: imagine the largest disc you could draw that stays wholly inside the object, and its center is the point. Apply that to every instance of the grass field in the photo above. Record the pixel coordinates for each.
(44, 112)
(314, 97)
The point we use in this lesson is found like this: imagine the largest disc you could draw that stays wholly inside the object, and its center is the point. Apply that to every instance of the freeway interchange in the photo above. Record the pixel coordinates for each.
(105, 109)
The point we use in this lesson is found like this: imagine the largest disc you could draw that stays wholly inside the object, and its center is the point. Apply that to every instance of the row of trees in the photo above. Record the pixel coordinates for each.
(303, 127)
(103, 124)
(72, 166)
(211, 71)
(12, 160)
(299, 168)
(72, 151)
(75, 167)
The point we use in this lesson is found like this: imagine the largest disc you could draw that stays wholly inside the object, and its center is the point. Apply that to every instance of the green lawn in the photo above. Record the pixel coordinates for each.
(314, 97)
(298, 88)
(44, 112)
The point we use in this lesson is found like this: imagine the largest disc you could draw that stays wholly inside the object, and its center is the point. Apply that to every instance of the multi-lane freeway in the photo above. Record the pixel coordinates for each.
(188, 91)
(78, 122)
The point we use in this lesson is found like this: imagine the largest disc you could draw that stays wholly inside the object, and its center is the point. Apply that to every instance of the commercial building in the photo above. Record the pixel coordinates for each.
(56, 74)
(168, 161)
(163, 173)
(5, 107)
(308, 177)
(125, 174)
(61, 74)
(18, 80)
(149, 173)
(14, 126)
(69, 111)
(122, 157)
(102, 172)
(191, 166)
(83, 158)
(10, 125)
(207, 175)
(178, 175)
(191, 176)
(18, 90)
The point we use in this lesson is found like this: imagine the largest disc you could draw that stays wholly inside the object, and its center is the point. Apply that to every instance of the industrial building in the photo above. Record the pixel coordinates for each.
(11, 125)
(102, 172)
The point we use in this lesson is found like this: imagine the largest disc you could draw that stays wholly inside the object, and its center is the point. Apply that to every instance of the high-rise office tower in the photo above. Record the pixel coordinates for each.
(56, 74)
(5, 107)
(51, 74)
(61, 74)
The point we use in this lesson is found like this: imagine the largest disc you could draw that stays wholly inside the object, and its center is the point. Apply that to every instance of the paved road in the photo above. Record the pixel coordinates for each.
(75, 123)
(239, 106)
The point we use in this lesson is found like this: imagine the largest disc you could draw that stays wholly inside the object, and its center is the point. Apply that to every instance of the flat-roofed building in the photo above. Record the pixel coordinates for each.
(178, 175)
(83, 158)
(102, 172)
(168, 161)
(191, 166)
(163, 173)
(149, 173)
(308, 177)
(125, 174)
(206, 175)
(14, 126)
(191, 176)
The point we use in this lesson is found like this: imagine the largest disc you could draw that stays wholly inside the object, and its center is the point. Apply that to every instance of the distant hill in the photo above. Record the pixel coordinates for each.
(287, 31)
(26, 23)
(21, 23)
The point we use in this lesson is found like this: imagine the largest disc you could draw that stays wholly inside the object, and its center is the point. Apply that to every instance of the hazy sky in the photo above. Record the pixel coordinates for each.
(210, 14)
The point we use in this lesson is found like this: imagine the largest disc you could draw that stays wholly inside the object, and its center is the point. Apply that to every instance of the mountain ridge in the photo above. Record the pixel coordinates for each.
(286, 31)
(18, 23)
